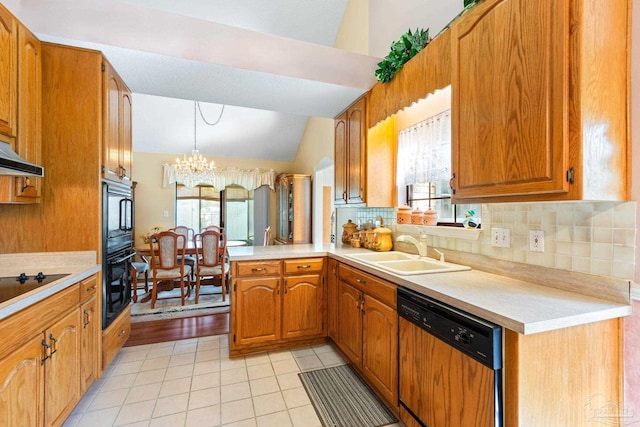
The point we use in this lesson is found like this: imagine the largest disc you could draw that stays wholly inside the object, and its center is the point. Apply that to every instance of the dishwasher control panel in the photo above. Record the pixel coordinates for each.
(475, 337)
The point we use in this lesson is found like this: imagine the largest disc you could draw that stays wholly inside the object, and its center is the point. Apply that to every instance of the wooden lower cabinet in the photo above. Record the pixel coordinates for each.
(90, 343)
(368, 328)
(62, 369)
(276, 304)
(257, 311)
(43, 360)
(114, 337)
(332, 299)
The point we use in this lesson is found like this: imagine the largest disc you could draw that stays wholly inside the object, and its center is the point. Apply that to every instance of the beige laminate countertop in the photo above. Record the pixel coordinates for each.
(78, 266)
(521, 306)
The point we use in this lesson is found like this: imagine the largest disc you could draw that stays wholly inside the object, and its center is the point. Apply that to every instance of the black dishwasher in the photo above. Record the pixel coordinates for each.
(450, 364)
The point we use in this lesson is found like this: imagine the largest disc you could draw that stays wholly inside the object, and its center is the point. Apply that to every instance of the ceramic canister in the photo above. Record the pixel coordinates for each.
(403, 215)
(430, 217)
(348, 229)
(416, 217)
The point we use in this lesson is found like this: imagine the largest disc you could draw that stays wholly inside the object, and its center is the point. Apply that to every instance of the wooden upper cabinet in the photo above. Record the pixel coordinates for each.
(8, 73)
(350, 142)
(535, 112)
(117, 127)
(29, 141)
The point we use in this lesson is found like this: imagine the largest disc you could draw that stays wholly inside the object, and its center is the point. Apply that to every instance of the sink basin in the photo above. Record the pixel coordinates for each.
(405, 264)
(382, 256)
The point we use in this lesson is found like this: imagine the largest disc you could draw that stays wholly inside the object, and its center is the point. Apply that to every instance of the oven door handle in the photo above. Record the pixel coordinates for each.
(123, 259)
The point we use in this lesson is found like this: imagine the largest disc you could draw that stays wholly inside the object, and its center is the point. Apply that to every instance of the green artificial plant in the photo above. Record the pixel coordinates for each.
(402, 51)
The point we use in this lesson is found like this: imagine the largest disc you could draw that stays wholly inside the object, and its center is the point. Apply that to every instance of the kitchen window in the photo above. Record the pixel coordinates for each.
(424, 168)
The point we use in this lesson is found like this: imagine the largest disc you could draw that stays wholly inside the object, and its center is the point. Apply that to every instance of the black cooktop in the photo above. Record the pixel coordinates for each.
(11, 287)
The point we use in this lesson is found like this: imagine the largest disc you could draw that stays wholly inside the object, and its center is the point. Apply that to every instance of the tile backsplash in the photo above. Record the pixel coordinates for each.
(586, 237)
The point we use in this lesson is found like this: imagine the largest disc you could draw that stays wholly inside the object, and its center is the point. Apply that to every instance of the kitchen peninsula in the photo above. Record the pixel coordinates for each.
(547, 330)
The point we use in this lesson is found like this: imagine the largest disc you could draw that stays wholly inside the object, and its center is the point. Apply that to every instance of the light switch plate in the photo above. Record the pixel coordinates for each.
(501, 237)
(536, 240)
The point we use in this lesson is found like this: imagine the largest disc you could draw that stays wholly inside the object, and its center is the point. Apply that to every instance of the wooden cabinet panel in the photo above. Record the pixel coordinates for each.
(62, 369)
(29, 141)
(434, 400)
(350, 302)
(257, 316)
(8, 73)
(117, 156)
(114, 337)
(303, 266)
(509, 120)
(350, 142)
(380, 347)
(21, 385)
(257, 268)
(90, 343)
(536, 114)
(302, 307)
(371, 285)
(332, 300)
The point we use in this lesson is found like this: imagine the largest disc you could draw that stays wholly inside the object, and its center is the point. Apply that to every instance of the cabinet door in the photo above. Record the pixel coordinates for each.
(89, 344)
(125, 149)
(332, 300)
(258, 311)
(8, 72)
(509, 96)
(442, 385)
(302, 307)
(111, 123)
(340, 159)
(29, 141)
(62, 369)
(380, 347)
(350, 322)
(21, 385)
(356, 134)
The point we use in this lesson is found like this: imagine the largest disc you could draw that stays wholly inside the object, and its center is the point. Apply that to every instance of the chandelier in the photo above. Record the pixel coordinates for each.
(196, 167)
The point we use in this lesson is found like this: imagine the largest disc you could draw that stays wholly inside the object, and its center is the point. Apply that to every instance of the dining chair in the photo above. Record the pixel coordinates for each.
(267, 236)
(139, 270)
(211, 264)
(188, 234)
(218, 229)
(168, 263)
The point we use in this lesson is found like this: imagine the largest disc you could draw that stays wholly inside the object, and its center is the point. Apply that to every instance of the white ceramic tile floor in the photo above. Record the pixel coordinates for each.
(194, 383)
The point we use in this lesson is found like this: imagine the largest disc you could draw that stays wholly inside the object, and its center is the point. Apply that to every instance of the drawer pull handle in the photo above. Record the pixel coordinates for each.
(361, 281)
(259, 269)
(304, 266)
(122, 332)
(91, 288)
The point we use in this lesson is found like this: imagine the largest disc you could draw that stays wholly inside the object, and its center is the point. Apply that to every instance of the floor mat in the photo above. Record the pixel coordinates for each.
(342, 399)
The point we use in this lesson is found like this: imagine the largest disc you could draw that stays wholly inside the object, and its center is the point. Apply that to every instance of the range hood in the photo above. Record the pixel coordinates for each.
(13, 165)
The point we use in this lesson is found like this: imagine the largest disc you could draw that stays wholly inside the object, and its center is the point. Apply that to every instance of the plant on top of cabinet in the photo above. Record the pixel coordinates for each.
(402, 50)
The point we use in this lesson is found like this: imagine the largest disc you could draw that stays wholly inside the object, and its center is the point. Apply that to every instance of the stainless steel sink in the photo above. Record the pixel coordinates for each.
(405, 264)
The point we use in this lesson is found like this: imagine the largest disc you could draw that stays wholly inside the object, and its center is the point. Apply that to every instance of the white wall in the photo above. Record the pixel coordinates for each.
(389, 20)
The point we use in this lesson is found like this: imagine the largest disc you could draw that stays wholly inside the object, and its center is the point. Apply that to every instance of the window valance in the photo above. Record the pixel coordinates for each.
(246, 178)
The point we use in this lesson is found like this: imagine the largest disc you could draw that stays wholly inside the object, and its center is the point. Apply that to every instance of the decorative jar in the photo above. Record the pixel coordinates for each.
(430, 217)
(403, 215)
(416, 217)
(348, 229)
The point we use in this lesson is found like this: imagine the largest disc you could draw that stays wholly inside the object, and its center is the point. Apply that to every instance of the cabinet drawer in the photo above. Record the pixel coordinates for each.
(88, 288)
(302, 266)
(258, 268)
(114, 337)
(371, 285)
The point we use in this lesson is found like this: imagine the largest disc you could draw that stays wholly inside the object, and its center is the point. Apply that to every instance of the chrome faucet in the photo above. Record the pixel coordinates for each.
(420, 245)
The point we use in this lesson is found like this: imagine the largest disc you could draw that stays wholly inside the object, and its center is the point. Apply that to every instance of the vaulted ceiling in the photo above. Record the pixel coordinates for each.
(271, 63)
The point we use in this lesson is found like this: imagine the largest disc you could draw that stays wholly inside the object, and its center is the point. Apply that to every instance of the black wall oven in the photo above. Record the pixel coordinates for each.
(117, 249)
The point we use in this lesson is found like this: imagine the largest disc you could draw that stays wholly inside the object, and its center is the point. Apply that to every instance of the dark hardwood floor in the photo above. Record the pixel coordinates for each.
(177, 329)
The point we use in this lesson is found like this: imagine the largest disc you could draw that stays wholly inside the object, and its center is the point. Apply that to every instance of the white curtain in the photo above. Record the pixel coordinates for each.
(246, 178)
(424, 151)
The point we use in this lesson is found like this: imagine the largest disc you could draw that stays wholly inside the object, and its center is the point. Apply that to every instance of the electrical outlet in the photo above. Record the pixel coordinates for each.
(536, 240)
(501, 237)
